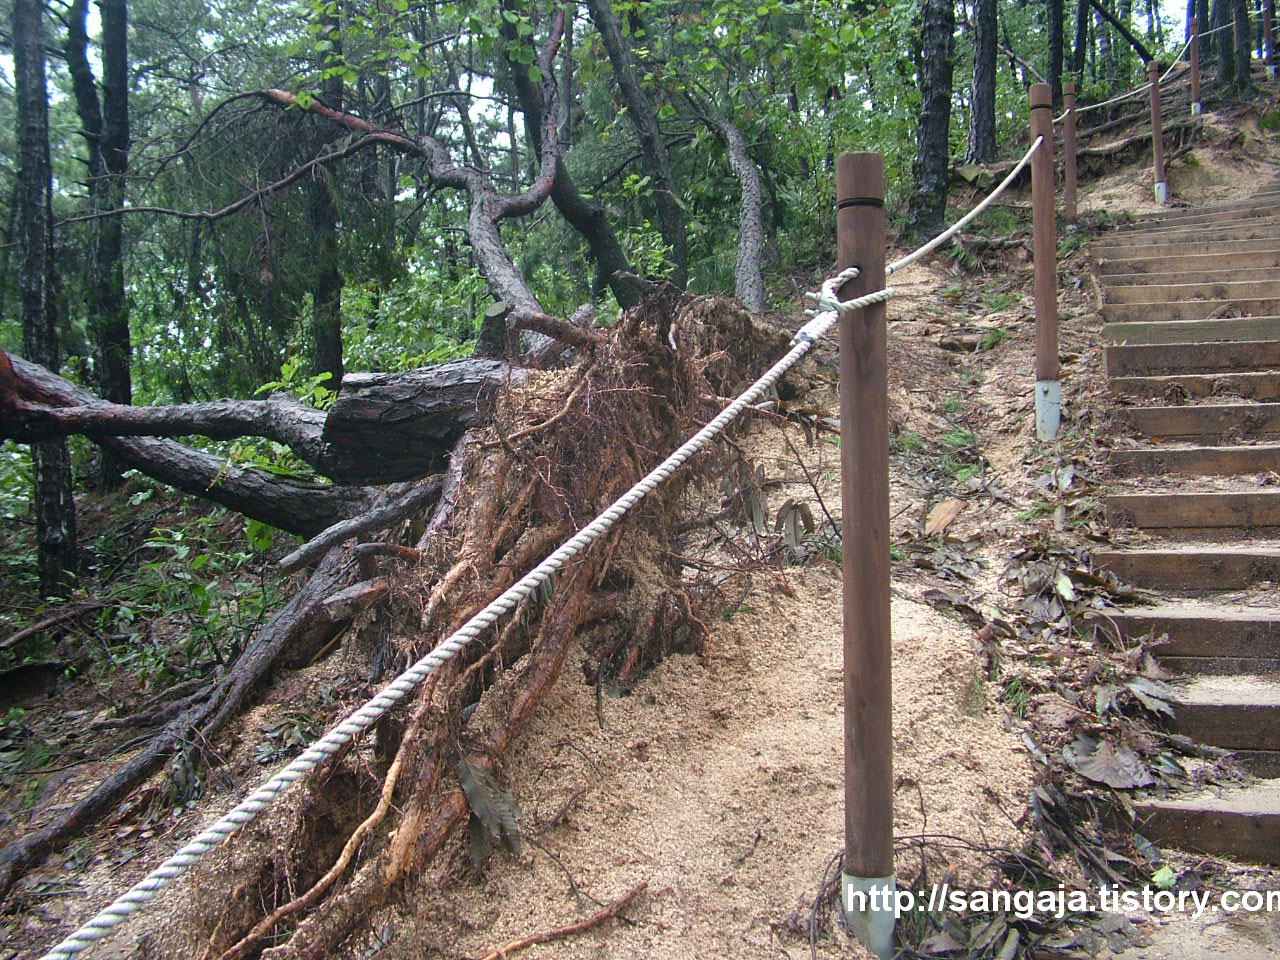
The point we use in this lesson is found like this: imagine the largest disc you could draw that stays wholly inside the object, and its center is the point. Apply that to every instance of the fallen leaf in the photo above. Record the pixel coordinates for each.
(942, 516)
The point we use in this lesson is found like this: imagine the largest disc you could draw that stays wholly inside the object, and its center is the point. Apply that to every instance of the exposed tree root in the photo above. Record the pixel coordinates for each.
(596, 919)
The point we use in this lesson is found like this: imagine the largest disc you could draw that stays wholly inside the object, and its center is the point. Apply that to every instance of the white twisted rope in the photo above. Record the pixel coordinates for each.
(363, 718)
(956, 227)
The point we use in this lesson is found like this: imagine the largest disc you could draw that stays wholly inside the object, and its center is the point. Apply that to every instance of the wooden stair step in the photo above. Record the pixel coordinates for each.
(1193, 569)
(1264, 229)
(1228, 512)
(1200, 215)
(1158, 311)
(1210, 260)
(1239, 822)
(1239, 420)
(1203, 630)
(1244, 356)
(1218, 275)
(1146, 251)
(1192, 331)
(1265, 220)
(1203, 461)
(1269, 192)
(1235, 712)
(1178, 292)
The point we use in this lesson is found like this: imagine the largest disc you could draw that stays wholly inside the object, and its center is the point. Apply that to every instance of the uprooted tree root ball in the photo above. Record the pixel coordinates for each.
(560, 447)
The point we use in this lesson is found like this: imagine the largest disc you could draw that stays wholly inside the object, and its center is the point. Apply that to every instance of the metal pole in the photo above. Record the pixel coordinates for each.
(1196, 105)
(1268, 44)
(1157, 134)
(1044, 248)
(1069, 152)
(868, 881)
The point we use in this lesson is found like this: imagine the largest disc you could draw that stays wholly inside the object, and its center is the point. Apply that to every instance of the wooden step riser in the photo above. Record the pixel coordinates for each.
(1172, 293)
(1250, 837)
(1266, 232)
(1234, 214)
(1192, 573)
(1237, 421)
(1225, 635)
(1146, 252)
(1138, 360)
(1258, 226)
(1174, 277)
(1232, 726)
(1260, 763)
(1197, 461)
(1190, 513)
(1192, 331)
(1190, 310)
(1269, 193)
(1210, 260)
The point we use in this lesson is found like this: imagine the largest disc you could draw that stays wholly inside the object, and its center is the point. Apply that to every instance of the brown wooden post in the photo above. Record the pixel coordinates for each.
(1196, 105)
(1069, 152)
(864, 497)
(1157, 134)
(1268, 43)
(1044, 248)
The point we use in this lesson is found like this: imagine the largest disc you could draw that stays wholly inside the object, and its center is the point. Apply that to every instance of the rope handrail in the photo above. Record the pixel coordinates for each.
(829, 309)
(926, 249)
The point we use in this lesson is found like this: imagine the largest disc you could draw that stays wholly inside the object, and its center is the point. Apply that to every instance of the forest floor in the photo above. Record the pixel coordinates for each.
(717, 778)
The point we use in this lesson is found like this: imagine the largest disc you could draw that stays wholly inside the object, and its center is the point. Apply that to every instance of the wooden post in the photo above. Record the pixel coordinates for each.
(1157, 134)
(864, 497)
(1044, 248)
(1196, 106)
(1268, 44)
(1069, 152)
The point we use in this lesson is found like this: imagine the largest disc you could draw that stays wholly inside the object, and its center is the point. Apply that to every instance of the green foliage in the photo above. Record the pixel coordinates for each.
(309, 389)
(994, 337)
(190, 606)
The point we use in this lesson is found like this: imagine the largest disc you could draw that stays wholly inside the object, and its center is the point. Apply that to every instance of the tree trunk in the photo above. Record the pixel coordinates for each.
(586, 216)
(652, 147)
(326, 288)
(52, 495)
(929, 196)
(105, 126)
(1056, 31)
(1081, 48)
(1223, 42)
(748, 277)
(982, 95)
(1242, 37)
(1123, 29)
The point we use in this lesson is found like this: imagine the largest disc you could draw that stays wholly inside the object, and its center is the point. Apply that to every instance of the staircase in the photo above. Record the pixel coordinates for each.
(1192, 332)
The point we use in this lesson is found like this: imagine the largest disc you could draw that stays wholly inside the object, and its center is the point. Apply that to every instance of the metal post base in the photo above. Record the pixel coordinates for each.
(1162, 193)
(868, 907)
(1048, 409)
(1197, 108)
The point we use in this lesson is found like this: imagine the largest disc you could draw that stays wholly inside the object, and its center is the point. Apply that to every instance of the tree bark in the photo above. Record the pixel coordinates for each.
(1080, 49)
(652, 147)
(929, 197)
(105, 126)
(1223, 42)
(982, 94)
(295, 506)
(586, 216)
(383, 428)
(1123, 30)
(1242, 36)
(52, 495)
(326, 288)
(1056, 32)
(748, 275)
